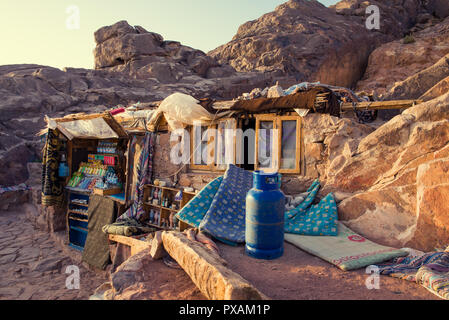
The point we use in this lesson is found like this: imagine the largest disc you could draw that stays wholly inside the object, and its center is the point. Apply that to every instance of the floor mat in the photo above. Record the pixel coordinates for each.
(347, 251)
(225, 219)
(195, 210)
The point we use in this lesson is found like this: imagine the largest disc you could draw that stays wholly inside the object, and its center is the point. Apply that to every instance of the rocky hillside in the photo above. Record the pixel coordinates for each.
(301, 40)
(304, 39)
(399, 175)
(132, 65)
(398, 60)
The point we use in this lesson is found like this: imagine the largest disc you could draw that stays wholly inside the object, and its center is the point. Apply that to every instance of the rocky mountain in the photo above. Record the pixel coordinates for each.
(301, 40)
(132, 65)
(304, 40)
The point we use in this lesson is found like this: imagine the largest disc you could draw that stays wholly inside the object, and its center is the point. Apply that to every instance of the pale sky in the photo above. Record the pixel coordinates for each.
(35, 31)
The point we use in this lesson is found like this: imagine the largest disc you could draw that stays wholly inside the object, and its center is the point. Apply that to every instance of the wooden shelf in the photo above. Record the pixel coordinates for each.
(78, 219)
(80, 204)
(77, 212)
(169, 209)
(164, 211)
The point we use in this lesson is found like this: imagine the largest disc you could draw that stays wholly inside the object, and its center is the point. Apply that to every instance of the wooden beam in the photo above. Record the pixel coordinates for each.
(381, 105)
(135, 244)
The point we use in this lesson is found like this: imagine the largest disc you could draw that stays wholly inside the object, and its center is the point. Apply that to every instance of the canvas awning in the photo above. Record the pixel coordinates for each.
(88, 126)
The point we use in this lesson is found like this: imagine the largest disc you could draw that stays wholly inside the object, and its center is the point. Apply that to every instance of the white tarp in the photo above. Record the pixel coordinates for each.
(181, 109)
(91, 128)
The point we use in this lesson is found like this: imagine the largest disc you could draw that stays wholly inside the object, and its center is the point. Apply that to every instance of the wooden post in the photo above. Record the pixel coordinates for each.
(380, 105)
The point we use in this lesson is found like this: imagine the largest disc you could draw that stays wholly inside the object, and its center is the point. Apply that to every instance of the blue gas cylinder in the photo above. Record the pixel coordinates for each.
(265, 207)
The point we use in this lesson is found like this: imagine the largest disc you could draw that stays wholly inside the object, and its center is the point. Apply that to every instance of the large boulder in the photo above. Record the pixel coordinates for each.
(399, 176)
(437, 90)
(143, 54)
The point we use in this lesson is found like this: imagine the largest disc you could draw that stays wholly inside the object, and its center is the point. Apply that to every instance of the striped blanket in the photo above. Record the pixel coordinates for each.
(430, 270)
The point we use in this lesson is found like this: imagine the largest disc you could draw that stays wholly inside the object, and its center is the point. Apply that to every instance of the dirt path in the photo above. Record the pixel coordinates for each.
(298, 275)
(33, 266)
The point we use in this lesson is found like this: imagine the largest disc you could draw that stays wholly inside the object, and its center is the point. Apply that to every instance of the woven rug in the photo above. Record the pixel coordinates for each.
(101, 212)
(430, 270)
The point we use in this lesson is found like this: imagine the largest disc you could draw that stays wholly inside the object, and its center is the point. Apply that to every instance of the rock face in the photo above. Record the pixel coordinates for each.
(143, 54)
(303, 39)
(418, 84)
(132, 65)
(437, 90)
(142, 278)
(400, 177)
(396, 61)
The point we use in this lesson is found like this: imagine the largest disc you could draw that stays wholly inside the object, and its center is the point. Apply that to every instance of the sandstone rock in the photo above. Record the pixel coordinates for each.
(28, 255)
(438, 8)
(415, 86)
(8, 251)
(437, 90)
(304, 40)
(7, 259)
(314, 151)
(157, 250)
(208, 272)
(396, 61)
(10, 199)
(401, 187)
(118, 29)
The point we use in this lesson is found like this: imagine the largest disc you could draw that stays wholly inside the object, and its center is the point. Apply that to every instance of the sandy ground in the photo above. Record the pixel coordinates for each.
(33, 267)
(298, 275)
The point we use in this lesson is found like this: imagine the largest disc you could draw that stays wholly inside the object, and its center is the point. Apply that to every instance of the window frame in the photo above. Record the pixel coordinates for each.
(277, 124)
(193, 146)
(277, 152)
(211, 146)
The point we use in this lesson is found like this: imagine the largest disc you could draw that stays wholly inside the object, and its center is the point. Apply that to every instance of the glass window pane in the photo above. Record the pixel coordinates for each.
(288, 146)
(220, 145)
(200, 145)
(265, 144)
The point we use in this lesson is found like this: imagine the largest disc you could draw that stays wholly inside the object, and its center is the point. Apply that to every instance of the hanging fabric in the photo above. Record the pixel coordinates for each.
(144, 171)
(52, 189)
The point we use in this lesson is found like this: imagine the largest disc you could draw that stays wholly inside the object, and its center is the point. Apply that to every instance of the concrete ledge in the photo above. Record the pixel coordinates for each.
(208, 271)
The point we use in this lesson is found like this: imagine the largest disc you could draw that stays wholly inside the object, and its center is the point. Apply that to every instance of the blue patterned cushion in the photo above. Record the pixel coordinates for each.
(225, 218)
(302, 208)
(193, 212)
(317, 220)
